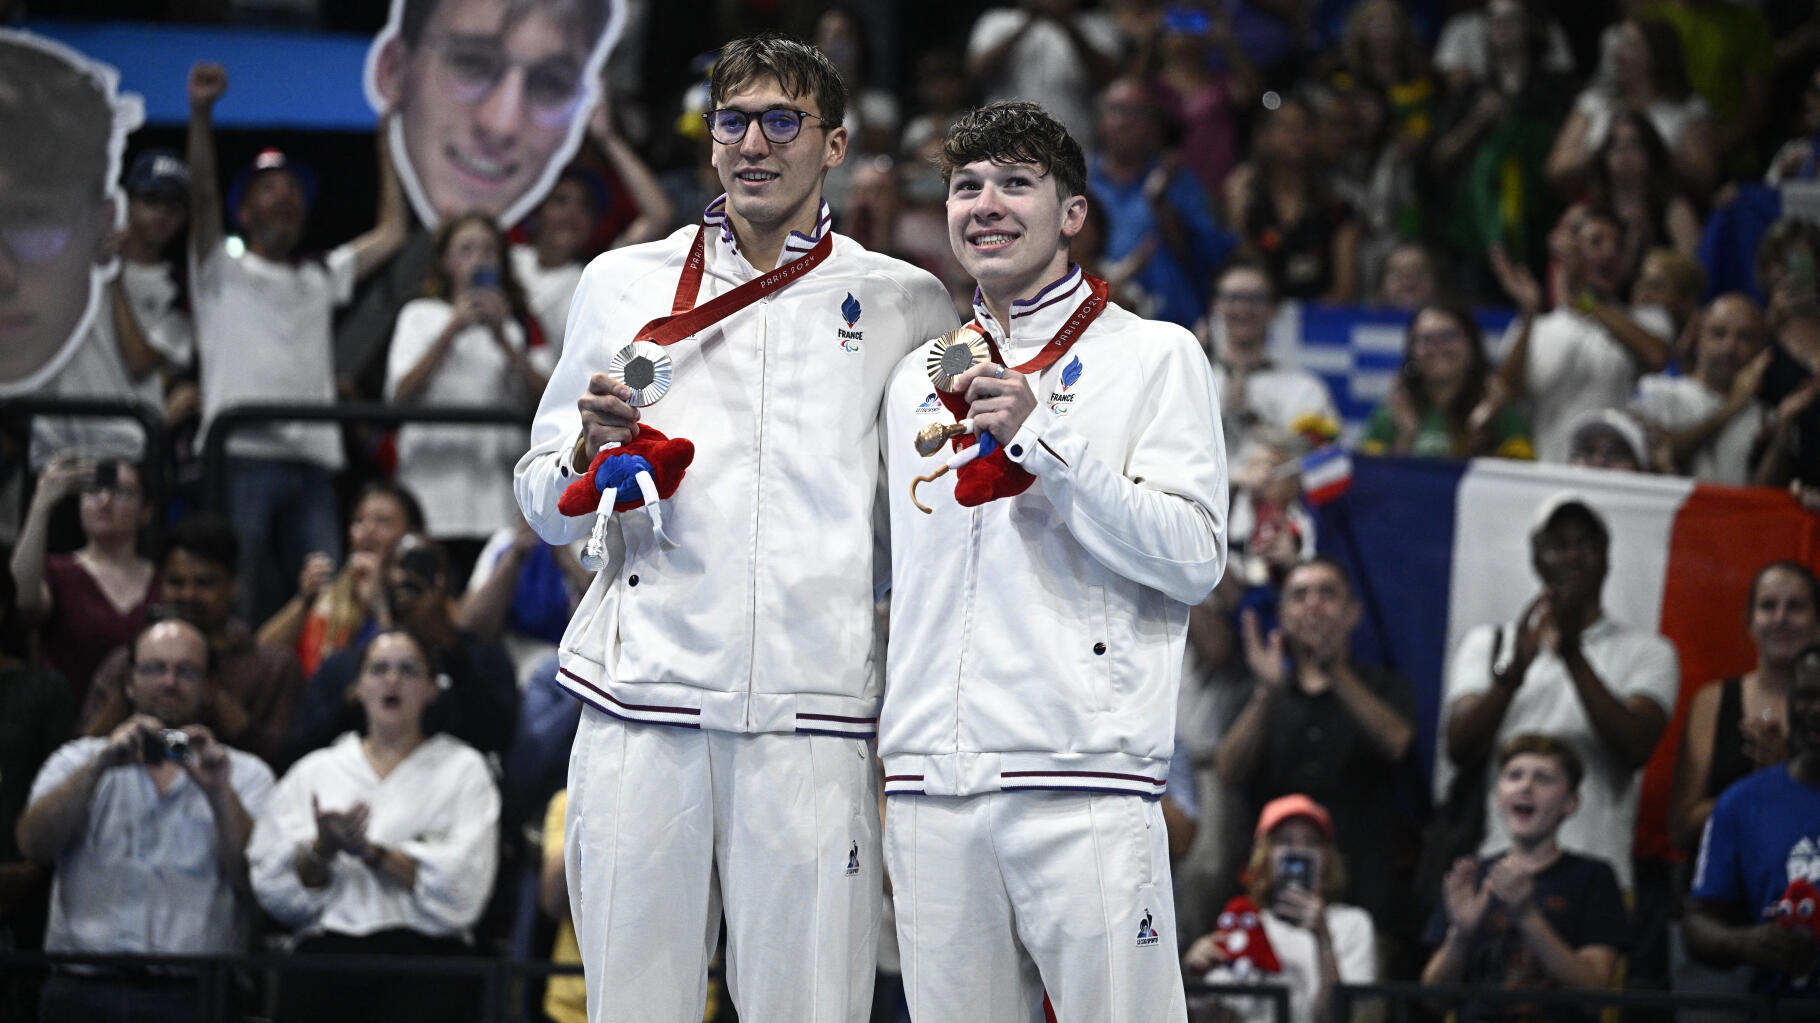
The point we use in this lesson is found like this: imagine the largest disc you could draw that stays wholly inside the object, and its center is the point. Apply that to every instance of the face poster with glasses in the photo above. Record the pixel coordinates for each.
(492, 97)
(63, 128)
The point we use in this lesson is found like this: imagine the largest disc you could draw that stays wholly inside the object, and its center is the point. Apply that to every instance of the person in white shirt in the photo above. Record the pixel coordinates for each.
(1295, 877)
(1711, 419)
(1256, 392)
(550, 267)
(1037, 638)
(263, 334)
(1585, 354)
(1562, 668)
(731, 675)
(1046, 48)
(383, 844)
(463, 343)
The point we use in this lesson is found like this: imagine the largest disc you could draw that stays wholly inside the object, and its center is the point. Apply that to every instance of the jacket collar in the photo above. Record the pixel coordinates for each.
(726, 246)
(1034, 320)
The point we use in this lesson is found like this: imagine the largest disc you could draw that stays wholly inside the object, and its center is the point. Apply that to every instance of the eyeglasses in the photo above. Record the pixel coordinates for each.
(190, 674)
(1244, 297)
(474, 65)
(780, 125)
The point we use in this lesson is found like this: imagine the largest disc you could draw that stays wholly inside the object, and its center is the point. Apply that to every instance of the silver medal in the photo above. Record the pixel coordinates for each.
(645, 368)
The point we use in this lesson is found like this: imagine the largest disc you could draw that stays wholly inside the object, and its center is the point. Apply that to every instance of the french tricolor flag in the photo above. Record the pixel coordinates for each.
(1326, 474)
(1438, 547)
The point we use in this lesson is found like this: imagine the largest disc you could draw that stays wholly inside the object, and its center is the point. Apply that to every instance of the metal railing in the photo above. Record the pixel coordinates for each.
(372, 413)
(151, 423)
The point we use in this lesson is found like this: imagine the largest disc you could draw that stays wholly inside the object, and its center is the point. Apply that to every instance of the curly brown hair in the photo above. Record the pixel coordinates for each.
(1016, 132)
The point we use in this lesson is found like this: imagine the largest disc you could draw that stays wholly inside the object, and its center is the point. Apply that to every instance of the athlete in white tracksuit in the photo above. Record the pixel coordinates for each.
(732, 682)
(1036, 640)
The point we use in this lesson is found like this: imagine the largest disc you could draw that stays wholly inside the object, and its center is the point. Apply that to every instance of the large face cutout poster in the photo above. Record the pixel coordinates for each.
(63, 127)
(492, 97)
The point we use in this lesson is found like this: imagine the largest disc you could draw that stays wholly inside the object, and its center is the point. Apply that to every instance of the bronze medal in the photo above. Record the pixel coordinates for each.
(953, 354)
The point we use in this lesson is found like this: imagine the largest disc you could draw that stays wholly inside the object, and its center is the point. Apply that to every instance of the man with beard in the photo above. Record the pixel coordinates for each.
(1764, 835)
(263, 330)
(1319, 724)
(146, 826)
(1564, 669)
(256, 685)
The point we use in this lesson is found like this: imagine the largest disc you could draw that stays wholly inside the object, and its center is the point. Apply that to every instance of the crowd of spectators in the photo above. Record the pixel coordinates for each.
(322, 721)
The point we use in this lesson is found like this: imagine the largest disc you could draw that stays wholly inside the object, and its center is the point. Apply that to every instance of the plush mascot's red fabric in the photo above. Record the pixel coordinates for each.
(665, 458)
(992, 474)
(1240, 938)
(1799, 909)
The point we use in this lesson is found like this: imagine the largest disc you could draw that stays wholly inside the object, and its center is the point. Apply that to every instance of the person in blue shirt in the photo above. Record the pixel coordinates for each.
(1155, 212)
(1764, 833)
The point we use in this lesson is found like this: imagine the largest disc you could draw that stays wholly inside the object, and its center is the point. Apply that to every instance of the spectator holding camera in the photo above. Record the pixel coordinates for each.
(88, 602)
(1294, 877)
(146, 827)
(1534, 914)
(464, 343)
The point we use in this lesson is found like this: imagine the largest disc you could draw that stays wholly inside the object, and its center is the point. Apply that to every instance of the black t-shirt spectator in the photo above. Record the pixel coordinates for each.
(1314, 745)
(1785, 375)
(1578, 896)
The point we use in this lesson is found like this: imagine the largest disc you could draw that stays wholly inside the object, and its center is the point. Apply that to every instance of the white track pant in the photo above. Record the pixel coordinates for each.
(1001, 897)
(667, 826)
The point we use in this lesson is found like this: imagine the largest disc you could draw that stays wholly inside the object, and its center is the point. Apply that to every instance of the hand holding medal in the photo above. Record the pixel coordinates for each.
(955, 363)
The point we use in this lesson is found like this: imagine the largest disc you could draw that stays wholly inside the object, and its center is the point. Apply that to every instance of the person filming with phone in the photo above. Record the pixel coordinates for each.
(1303, 939)
(146, 825)
(464, 343)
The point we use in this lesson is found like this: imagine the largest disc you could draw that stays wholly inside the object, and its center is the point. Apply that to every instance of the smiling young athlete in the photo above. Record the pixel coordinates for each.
(731, 680)
(1036, 639)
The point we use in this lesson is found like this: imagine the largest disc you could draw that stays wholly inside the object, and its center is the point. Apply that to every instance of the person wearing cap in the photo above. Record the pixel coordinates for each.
(1607, 438)
(1295, 876)
(1562, 668)
(1319, 723)
(149, 304)
(1713, 418)
(263, 330)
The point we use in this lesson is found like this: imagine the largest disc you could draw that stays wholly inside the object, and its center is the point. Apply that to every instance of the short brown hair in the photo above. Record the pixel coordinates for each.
(800, 70)
(1019, 132)
(1539, 745)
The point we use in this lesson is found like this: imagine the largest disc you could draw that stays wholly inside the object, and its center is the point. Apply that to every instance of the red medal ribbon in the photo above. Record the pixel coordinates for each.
(1064, 339)
(686, 320)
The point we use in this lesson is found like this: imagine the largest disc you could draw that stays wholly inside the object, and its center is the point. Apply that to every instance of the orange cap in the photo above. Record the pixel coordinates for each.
(1284, 807)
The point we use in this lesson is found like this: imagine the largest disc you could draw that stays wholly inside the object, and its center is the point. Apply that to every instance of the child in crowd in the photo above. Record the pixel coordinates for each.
(1534, 915)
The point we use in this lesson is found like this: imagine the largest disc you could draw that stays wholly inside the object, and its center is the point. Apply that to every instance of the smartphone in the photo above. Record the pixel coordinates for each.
(1295, 869)
(167, 744)
(485, 277)
(107, 475)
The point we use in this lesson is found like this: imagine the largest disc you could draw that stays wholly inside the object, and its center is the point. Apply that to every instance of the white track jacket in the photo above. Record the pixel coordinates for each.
(761, 619)
(1036, 641)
